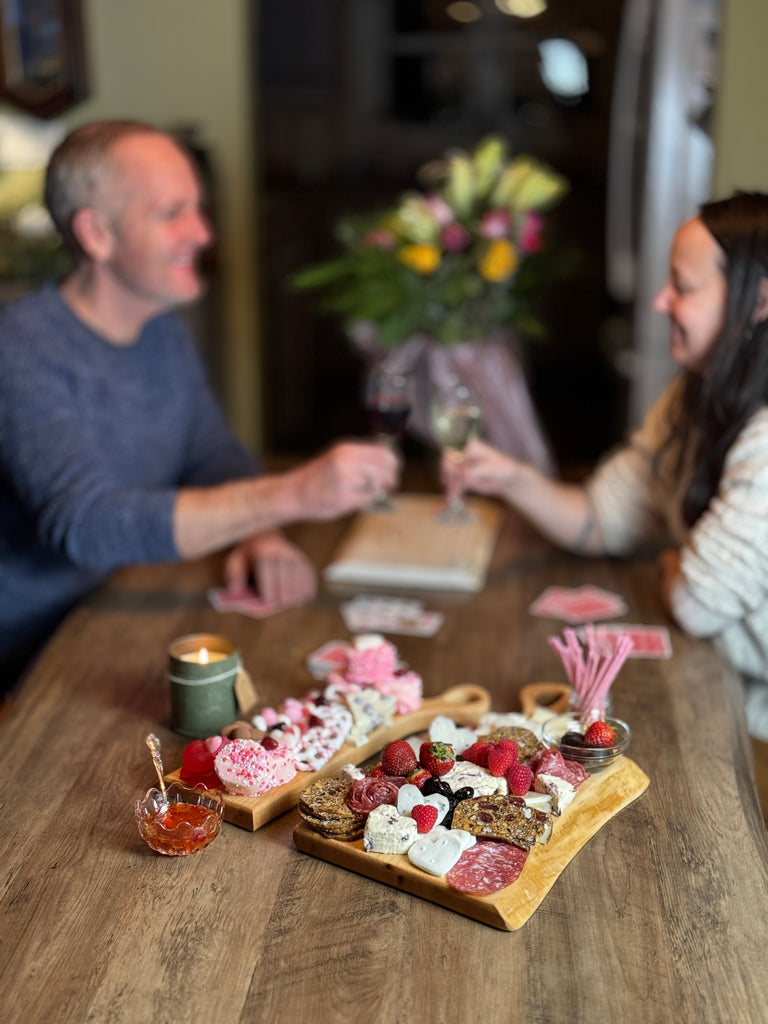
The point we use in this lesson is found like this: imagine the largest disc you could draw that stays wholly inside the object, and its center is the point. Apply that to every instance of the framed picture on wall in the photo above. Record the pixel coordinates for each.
(42, 55)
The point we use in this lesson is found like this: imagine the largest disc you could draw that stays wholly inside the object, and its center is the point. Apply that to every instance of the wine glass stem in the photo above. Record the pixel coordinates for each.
(454, 494)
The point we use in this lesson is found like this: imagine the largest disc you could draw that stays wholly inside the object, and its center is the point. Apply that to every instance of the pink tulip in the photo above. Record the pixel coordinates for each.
(495, 224)
(439, 209)
(379, 238)
(530, 239)
(454, 237)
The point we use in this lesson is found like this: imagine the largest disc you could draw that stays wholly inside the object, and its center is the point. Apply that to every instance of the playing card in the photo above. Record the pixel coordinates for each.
(647, 641)
(578, 604)
(389, 615)
(246, 602)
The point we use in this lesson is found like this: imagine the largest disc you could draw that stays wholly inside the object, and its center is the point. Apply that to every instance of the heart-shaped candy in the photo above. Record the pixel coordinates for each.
(439, 850)
(409, 796)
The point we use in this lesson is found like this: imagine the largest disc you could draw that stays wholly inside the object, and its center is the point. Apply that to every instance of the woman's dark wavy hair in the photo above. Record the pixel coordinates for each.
(715, 409)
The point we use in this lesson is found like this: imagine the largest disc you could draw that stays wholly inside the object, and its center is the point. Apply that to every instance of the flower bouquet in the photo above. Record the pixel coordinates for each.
(454, 262)
(436, 285)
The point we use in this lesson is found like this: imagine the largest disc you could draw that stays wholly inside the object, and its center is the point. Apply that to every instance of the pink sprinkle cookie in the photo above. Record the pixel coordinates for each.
(248, 769)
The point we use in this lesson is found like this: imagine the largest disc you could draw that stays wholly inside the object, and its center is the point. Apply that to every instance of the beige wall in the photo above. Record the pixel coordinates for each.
(741, 139)
(177, 61)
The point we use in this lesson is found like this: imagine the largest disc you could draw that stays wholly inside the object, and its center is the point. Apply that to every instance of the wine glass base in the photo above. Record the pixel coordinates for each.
(455, 514)
(382, 502)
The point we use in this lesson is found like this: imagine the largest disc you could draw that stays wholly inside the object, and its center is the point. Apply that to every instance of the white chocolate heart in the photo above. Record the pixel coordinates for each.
(444, 730)
(438, 850)
(409, 796)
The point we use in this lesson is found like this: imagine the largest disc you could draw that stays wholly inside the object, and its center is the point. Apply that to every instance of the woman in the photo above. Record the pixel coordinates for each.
(698, 466)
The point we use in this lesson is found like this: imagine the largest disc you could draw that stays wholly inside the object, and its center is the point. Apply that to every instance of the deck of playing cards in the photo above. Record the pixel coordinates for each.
(247, 602)
(366, 614)
(578, 604)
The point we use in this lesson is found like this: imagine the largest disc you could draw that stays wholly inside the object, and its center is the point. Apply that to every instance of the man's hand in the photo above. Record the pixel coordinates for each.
(343, 479)
(282, 573)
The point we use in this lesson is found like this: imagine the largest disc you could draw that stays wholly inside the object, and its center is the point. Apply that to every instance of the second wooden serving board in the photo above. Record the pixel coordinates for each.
(598, 799)
(465, 704)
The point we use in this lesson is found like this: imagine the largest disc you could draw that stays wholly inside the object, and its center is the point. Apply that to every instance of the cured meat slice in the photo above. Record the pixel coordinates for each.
(486, 868)
(366, 794)
(552, 762)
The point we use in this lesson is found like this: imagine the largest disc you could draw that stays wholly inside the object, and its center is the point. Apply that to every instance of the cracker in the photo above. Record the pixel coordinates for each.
(507, 819)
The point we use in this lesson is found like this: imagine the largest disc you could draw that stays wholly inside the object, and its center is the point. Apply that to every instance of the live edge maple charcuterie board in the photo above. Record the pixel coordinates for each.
(599, 798)
(465, 704)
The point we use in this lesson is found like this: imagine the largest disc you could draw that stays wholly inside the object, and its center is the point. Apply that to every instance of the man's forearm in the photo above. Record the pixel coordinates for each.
(208, 519)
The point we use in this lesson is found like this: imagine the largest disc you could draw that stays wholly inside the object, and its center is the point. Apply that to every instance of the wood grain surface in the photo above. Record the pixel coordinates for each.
(466, 703)
(662, 916)
(598, 799)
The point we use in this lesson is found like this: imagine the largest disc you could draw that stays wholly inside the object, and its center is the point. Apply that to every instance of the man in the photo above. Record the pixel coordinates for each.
(112, 448)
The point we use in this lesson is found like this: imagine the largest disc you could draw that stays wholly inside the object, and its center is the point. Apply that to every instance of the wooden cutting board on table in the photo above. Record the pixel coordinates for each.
(412, 547)
(598, 799)
(465, 704)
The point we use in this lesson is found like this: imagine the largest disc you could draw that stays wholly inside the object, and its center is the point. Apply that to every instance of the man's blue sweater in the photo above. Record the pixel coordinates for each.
(95, 439)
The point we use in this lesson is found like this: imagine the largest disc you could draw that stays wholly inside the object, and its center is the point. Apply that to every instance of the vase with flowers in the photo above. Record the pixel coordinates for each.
(443, 283)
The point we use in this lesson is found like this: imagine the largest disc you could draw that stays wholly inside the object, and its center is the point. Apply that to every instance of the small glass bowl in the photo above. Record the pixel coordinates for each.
(186, 824)
(594, 759)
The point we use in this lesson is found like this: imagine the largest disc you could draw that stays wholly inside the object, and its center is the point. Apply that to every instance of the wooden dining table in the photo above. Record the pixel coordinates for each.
(662, 915)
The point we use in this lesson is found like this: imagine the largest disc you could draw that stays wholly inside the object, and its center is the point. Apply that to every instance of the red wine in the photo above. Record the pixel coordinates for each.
(388, 421)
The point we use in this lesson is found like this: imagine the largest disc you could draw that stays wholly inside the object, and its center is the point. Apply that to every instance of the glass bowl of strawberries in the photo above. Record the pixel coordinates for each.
(595, 746)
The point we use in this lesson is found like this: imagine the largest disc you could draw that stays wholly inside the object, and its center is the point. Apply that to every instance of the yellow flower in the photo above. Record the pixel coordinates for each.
(527, 185)
(500, 260)
(424, 259)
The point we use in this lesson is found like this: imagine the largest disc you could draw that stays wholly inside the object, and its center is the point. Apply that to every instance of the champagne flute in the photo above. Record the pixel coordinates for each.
(455, 418)
(388, 400)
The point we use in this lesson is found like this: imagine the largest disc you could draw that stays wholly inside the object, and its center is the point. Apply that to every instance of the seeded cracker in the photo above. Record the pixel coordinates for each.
(507, 819)
(323, 806)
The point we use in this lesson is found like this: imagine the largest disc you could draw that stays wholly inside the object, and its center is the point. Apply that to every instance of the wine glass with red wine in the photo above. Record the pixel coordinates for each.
(388, 399)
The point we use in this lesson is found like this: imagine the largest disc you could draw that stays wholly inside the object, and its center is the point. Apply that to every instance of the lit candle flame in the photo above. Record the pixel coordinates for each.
(202, 655)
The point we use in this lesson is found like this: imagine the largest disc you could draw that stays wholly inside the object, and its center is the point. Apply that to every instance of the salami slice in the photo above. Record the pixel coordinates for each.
(486, 868)
(552, 762)
(365, 794)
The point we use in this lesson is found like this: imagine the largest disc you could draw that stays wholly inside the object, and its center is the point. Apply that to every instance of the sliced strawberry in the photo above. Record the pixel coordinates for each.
(418, 777)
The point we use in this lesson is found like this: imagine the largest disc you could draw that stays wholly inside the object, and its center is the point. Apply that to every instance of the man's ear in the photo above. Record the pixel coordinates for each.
(94, 233)
(761, 306)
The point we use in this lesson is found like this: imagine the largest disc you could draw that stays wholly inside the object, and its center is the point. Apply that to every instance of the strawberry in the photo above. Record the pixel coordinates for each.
(398, 758)
(477, 753)
(501, 759)
(418, 777)
(376, 772)
(519, 779)
(437, 758)
(599, 734)
(508, 744)
(425, 816)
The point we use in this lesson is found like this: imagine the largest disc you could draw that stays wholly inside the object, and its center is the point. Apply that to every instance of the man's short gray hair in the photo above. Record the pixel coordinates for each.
(78, 166)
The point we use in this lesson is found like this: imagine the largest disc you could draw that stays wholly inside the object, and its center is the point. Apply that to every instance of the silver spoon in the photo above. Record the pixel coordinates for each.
(154, 746)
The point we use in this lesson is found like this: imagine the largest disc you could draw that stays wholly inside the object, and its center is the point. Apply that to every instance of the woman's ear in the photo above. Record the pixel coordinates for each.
(761, 306)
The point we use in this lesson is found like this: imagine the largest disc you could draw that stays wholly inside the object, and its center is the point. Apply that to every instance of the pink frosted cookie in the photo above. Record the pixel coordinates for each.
(248, 769)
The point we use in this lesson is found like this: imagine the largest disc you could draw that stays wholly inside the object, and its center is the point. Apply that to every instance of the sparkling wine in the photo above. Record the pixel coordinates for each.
(454, 425)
